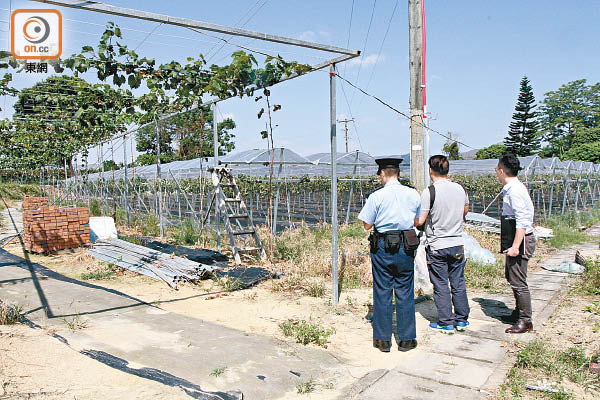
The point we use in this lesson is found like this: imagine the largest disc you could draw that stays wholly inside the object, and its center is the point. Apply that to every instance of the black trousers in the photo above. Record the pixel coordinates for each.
(515, 271)
(449, 265)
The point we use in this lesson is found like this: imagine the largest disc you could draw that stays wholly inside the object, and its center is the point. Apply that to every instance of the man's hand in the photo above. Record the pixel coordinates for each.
(366, 226)
(512, 251)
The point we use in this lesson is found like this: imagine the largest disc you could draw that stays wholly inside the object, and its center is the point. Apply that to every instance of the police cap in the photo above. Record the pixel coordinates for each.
(388, 162)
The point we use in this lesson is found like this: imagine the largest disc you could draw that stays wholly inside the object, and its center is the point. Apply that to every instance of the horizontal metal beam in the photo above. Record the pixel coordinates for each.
(191, 23)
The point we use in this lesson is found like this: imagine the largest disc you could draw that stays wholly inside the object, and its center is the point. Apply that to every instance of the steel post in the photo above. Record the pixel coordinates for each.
(126, 180)
(158, 177)
(334, 209)
(216, 165)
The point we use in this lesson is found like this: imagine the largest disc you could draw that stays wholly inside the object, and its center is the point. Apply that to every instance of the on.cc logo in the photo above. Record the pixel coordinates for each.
(36, 29)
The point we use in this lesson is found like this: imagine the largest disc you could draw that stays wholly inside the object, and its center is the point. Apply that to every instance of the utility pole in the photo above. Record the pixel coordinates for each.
(415, 40)
(345, 121)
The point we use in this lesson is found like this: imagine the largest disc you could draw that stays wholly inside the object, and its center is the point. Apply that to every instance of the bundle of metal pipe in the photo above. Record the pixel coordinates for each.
(152, 263)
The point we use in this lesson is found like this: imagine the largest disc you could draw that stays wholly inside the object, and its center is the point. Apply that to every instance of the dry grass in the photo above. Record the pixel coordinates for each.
(10, 313)
(304, 253)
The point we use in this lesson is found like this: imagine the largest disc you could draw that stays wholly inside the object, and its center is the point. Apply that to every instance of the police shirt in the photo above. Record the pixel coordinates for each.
(392, 208)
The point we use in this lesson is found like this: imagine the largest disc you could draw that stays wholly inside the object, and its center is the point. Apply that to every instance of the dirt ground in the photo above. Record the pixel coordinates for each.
(257, 310)
(570, 325)
(35, 365)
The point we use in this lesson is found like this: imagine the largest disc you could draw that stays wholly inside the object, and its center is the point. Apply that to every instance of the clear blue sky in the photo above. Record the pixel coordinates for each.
(477, 52)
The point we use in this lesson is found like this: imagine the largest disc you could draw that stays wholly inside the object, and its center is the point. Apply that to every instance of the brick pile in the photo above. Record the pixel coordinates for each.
(51, 228)
(33, 203)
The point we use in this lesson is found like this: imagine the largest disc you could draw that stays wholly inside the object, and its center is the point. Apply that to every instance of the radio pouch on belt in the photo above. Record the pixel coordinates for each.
(410, 242)
(508, 230)
(392, 242)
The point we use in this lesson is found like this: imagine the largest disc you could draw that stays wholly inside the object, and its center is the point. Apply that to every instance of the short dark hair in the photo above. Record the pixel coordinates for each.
(439, 164)
(510, 163)
(391, 171)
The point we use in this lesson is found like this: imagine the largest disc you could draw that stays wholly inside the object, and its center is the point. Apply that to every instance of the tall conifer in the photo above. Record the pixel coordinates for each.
(523, 139)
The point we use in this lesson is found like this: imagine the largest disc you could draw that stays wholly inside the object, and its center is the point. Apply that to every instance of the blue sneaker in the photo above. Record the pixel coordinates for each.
(462, 326)
(447, 329)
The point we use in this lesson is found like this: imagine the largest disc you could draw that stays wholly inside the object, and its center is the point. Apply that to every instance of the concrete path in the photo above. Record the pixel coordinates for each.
(173, 349)
(11, 223)
(472, 364)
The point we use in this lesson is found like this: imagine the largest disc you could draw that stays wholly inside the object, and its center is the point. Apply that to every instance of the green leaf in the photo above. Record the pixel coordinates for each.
(261, 112)
(264, 134)
(276, 107)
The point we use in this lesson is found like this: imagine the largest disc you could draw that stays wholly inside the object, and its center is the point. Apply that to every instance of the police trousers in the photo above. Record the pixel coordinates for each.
(393, 273)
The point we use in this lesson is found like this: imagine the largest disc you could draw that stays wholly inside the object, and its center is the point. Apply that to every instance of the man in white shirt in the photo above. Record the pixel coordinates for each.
(517, 240)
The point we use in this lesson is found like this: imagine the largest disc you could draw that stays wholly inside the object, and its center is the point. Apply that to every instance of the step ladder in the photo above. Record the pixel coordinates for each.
(233, 211)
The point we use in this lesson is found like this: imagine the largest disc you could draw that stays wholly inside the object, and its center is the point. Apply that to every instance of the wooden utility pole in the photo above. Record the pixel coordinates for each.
(345, 121)
(415, 42)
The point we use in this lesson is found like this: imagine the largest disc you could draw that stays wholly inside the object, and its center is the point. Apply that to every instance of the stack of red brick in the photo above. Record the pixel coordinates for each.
(51, 228)
(33, 203)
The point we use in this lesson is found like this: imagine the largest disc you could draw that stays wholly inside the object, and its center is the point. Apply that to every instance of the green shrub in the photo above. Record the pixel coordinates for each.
(306, 332)
(185, 234)
(589, 283)
(150, 226)
(95, 210)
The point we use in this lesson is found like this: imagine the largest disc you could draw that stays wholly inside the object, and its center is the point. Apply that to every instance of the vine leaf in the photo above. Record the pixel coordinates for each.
(261, 112)
(276, 107)
(264, 134)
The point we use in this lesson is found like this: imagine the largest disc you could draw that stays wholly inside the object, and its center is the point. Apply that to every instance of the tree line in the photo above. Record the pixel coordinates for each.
(565, 124)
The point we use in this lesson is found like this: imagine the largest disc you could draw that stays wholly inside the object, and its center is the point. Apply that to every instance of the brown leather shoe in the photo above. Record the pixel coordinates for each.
(382, 345)
(520, 327)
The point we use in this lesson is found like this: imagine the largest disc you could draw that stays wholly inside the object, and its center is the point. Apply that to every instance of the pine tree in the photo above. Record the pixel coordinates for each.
(523, 139)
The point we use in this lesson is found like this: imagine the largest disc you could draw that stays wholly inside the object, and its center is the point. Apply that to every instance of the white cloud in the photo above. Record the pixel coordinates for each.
(312, 36)
(309, 36)
(367, 61)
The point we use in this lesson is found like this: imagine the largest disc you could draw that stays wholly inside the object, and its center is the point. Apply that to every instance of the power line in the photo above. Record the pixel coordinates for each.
(402, 113)
(364, 47)
(382, 43)
(351, 116)
(349, 30)
(243, 25)
(147, 36)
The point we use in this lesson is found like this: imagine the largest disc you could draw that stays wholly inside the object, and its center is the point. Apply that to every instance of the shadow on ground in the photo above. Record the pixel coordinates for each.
(191, 389)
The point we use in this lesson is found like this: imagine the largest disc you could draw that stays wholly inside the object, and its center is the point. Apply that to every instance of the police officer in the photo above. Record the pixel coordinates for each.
(391, 212)
(517, 241)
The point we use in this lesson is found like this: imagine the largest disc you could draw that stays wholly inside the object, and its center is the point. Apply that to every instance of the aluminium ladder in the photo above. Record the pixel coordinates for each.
(234, 208)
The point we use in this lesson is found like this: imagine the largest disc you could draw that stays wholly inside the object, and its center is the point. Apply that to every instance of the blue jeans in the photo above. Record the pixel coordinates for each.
(449, 265)
(393, 273)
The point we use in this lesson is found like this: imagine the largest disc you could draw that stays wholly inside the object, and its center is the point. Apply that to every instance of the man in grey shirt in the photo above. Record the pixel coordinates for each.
(443, 219)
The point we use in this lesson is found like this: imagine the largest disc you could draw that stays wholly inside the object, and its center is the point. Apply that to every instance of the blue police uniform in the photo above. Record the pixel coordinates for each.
(393, 207)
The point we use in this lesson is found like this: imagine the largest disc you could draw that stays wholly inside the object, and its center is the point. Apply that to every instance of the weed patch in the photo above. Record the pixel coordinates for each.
(306, 332)
(487, 277)
(150, 226)
(539, 358)
(10, 313)
(567, 228)
(315, 289)
(589, 283)
(102, 275)
(75, 323)
(218, 372)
